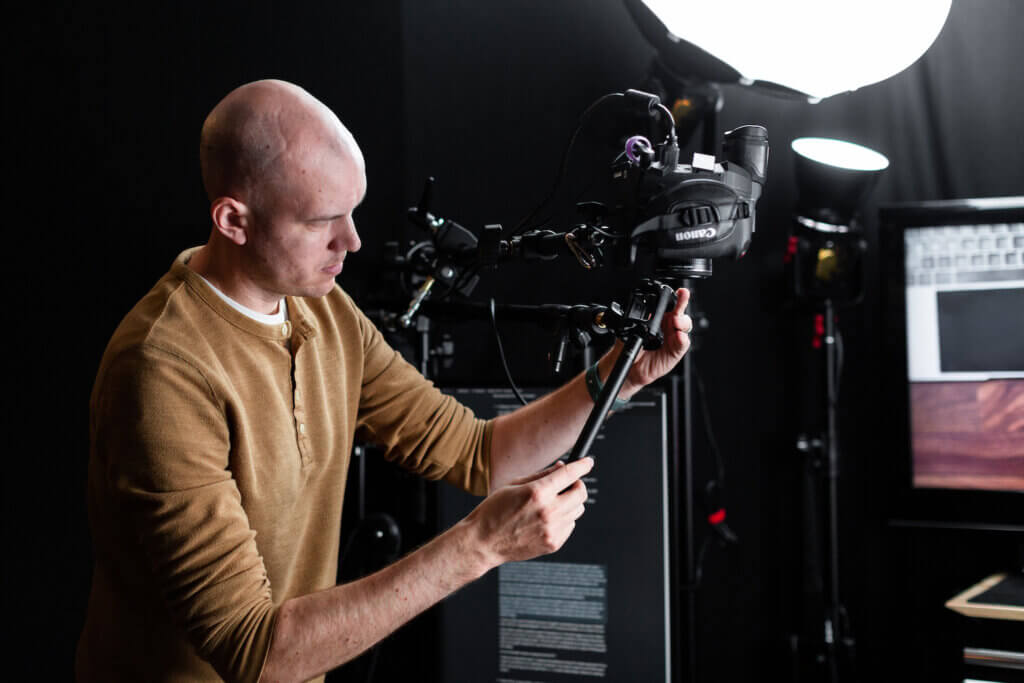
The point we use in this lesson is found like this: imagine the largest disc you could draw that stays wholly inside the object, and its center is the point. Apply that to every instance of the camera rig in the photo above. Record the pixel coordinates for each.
(665, 221)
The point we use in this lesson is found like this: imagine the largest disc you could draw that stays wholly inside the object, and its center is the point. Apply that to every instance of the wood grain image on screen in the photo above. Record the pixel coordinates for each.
(968, 434)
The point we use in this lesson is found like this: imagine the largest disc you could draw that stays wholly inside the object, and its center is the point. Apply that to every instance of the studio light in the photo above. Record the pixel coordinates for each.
(825, 251)
(833, 179)
(825, 267)
(808, 48)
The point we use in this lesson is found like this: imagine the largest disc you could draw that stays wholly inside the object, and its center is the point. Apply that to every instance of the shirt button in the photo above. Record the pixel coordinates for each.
(302, 428)
(284, 329)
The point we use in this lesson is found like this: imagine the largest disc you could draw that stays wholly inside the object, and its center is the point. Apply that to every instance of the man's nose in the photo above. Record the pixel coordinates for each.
(347, 238)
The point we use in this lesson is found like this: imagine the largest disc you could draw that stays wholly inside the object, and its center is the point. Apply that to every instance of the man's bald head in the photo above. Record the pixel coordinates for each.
(260, 138)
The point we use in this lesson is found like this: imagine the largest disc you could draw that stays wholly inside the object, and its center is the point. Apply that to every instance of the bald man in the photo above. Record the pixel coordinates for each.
(224, 413)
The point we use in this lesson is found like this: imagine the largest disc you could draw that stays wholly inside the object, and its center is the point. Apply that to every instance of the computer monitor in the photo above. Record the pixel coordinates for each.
(953, 382)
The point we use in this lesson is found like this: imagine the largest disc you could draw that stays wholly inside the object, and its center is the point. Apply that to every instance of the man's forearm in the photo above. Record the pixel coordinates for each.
(318, 632)
(536, 434)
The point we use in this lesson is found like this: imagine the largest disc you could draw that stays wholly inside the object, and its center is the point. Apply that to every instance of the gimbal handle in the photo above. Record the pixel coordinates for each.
(635, 339)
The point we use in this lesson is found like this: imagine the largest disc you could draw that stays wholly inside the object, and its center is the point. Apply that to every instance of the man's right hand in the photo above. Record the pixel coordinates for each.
(531, 516)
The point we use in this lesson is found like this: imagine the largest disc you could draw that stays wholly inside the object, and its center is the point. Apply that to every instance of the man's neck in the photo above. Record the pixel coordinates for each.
(215, 269)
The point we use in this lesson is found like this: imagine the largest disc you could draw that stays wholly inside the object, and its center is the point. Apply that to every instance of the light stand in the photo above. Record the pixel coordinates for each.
(837, 630)
(830, 638)
(825, 268)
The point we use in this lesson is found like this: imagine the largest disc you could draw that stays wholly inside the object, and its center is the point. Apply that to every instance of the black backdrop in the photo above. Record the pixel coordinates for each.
(102, 109)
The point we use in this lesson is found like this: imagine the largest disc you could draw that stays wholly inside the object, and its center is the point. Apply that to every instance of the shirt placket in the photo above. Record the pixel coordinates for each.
(299, 414)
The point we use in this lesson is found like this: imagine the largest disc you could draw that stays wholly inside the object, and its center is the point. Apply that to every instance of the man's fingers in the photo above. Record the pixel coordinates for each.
(575, 496)
(677, 320)
(682, 298)
(562, 477)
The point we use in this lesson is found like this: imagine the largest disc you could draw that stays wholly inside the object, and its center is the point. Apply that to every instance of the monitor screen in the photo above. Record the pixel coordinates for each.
(953, 302)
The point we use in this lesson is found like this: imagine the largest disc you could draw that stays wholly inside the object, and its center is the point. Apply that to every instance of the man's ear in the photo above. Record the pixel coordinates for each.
(231, 218)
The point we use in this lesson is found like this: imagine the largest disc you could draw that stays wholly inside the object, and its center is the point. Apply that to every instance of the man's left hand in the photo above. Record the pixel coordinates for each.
(650, 365)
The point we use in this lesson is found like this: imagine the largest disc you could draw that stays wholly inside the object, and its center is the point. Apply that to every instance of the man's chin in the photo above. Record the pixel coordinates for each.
(324, 289)
(313, 291)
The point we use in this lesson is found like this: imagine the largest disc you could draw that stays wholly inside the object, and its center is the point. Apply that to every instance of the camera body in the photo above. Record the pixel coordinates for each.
(676, 216)
(687, 214)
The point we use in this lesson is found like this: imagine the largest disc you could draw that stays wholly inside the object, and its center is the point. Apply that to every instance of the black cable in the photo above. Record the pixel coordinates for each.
(705, 411)
(671, 121)
(719, 482)
(564, 165)
(698, 573)
(523, 224)
(501, 352)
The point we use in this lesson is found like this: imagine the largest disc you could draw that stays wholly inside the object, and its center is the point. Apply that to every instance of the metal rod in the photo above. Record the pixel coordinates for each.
(833, 626)
(675, 524)
(607, 398)
(423, 327)
(688, 512)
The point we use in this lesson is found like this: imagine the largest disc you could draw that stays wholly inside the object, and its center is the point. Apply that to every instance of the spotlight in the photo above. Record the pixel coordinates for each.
(825, 251)
(833, 178)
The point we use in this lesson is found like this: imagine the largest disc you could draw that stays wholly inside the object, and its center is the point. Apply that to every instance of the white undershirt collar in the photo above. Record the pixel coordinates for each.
(265, 318)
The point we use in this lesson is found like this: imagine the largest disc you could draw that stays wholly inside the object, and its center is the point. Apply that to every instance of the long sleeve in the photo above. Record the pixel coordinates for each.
(422, 429)
(219, 455)
(166, 444)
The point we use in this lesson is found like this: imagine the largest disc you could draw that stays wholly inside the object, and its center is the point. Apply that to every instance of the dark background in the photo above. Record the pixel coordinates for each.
(103, 107)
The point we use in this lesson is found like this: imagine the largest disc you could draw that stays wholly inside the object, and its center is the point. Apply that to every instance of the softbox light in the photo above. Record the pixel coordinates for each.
(809, 48)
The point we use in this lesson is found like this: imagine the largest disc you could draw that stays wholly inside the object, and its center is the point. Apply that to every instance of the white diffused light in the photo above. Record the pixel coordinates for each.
(840, 154)
(817, 47)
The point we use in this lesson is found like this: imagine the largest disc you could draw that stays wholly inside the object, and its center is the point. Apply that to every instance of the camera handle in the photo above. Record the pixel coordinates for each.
(639, 327)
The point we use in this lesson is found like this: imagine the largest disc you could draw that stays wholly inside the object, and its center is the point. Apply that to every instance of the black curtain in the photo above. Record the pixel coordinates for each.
(103, 110)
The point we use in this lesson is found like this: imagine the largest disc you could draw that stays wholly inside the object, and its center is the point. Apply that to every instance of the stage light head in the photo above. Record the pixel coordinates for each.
(806, 48)
(825, 256)
(833, 180)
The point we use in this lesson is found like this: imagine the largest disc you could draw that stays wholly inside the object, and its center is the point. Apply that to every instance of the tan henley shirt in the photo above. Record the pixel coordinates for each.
(219, 453)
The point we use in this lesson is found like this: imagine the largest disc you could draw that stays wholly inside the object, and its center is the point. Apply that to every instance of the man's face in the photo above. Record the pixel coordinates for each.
(303, 226)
